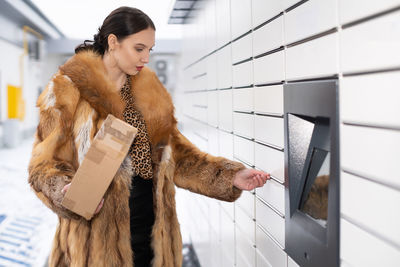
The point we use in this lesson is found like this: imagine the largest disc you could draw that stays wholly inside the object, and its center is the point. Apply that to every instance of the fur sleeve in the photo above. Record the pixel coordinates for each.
(52, 166)
(203, 173)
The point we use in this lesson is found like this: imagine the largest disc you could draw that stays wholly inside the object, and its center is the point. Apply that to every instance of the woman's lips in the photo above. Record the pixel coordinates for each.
(139, 68)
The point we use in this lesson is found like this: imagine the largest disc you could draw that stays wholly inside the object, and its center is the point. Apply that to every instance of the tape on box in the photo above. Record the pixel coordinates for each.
(112, 142)
(95, 155)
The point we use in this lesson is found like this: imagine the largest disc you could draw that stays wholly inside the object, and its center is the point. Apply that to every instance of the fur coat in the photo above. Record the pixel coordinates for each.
(72, 108)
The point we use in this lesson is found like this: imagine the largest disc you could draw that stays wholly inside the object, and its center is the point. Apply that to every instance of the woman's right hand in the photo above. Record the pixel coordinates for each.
(65, 189)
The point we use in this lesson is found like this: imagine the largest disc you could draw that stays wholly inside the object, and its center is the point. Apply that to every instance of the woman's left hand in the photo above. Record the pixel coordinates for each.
(248, 179)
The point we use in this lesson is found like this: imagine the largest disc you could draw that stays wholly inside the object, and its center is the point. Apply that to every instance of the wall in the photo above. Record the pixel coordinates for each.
(237, 55)
(10, 74)
(9, 68)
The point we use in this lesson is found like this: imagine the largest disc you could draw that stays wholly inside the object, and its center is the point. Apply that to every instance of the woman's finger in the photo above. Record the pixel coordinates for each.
(254, 183)
(263, 174)
(263, 180)
(260, 181)
(65, 188)
(99, 206)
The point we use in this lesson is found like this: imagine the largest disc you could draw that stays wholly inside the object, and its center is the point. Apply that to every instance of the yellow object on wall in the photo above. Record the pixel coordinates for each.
(16, 103)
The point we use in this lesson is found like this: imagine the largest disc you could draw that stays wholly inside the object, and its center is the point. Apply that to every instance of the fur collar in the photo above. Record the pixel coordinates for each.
(87, 72)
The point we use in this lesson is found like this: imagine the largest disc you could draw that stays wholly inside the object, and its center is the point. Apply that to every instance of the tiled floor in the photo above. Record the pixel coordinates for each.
(26, 225)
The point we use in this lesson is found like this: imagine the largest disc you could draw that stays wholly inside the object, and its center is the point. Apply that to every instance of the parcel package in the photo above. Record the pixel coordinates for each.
(99, 166)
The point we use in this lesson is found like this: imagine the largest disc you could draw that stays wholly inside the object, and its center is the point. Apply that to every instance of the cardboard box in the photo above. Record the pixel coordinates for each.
(99, 166)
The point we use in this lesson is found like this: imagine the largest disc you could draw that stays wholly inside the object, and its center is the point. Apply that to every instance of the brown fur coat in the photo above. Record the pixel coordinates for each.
(72, 108)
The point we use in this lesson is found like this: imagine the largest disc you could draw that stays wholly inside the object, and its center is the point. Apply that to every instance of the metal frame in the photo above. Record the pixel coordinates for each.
(308, 242)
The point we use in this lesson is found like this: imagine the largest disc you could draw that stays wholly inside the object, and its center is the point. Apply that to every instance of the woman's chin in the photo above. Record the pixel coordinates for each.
(132, 72)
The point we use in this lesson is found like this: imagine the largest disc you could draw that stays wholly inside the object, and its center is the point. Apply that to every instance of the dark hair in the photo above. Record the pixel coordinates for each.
(121, 22)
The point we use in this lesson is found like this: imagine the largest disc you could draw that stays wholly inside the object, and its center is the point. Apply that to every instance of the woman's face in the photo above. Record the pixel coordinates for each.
(133, 52)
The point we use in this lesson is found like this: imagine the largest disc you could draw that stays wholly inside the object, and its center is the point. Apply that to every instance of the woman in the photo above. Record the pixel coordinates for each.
(136, 222)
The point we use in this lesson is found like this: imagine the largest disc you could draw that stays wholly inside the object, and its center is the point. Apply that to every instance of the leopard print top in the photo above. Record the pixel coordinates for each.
(140, 150)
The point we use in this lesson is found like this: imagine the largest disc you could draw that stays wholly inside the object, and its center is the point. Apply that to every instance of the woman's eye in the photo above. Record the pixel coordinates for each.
(139, 49)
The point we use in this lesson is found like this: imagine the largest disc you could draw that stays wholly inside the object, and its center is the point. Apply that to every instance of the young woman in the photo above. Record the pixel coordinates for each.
(136, 222)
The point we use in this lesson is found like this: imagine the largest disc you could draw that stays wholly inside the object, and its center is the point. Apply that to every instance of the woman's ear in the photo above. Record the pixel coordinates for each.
(112, 41)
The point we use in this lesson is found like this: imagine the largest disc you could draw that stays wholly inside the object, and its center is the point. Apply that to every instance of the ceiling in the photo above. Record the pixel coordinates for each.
(181, 11)
(80, 19)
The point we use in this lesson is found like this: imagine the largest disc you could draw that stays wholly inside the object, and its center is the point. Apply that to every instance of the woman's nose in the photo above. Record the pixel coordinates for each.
(145, 59)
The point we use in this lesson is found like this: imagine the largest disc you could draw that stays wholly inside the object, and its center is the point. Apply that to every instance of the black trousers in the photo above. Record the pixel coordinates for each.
(141, 220)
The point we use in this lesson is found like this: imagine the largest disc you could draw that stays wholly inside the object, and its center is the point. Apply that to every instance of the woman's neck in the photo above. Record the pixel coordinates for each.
(113, 72)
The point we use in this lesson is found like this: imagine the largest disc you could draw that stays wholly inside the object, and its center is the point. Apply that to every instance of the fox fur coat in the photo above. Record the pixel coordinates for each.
(72, 108)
